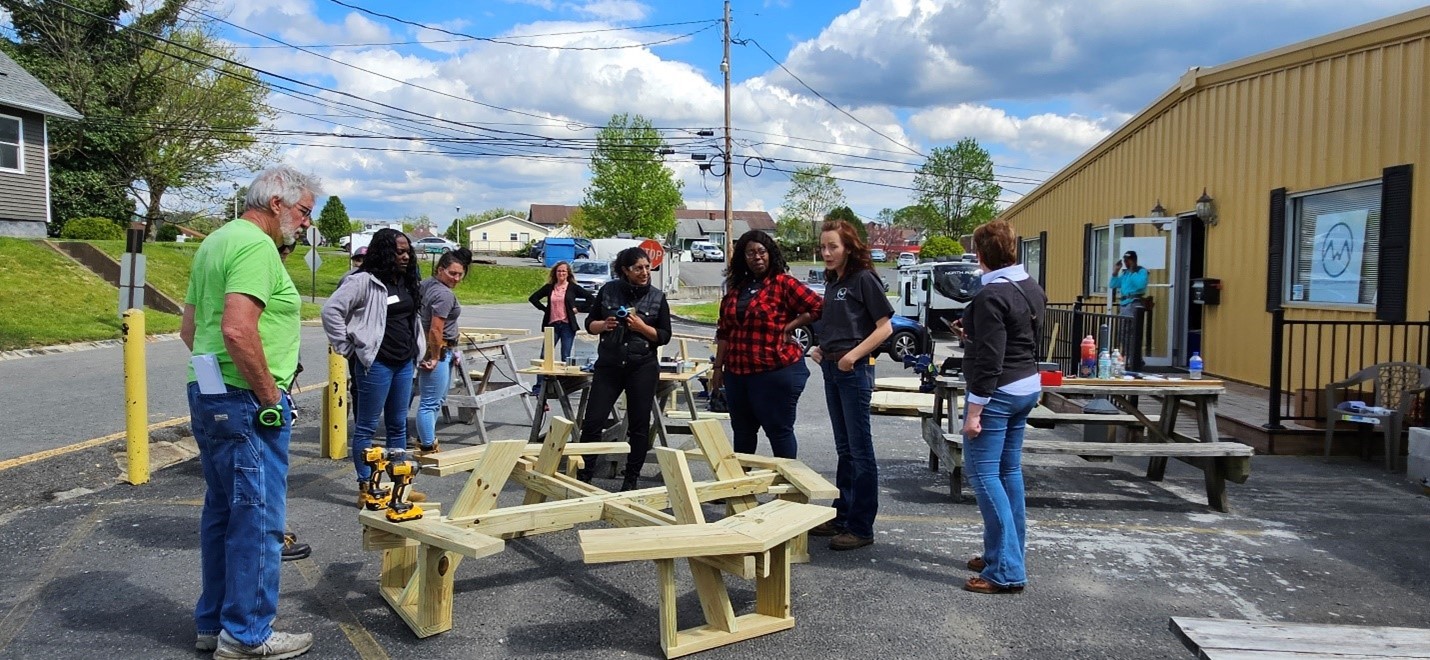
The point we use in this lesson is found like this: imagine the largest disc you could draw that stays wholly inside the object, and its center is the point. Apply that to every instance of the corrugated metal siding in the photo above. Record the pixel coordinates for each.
(22, 196)
(1311, 125)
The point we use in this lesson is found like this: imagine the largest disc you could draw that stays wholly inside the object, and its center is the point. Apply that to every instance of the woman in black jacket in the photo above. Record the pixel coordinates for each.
(558, 301)
(1000, 366)
(632, 319)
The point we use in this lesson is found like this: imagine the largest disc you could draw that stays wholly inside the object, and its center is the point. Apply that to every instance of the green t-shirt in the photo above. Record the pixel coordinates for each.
(240, 258)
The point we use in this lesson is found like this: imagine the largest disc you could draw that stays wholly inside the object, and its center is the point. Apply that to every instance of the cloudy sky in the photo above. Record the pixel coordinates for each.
(423, 107)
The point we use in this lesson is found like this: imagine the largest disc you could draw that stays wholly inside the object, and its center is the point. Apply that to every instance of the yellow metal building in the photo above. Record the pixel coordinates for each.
(1319, 144)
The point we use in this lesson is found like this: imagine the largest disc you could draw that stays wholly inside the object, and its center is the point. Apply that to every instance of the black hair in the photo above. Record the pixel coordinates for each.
(739, 270)
(381, 261)
(460, 255)
(627, 258)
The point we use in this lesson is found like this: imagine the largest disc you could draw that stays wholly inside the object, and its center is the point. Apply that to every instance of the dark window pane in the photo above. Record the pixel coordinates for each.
(9, 157)
(9, 131)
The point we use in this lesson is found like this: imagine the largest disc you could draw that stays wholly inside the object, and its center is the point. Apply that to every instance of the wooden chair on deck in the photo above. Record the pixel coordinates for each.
(1395, 388)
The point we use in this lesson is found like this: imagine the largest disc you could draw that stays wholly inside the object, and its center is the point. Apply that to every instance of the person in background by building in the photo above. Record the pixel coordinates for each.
(757, 359)
(854, 322)
(242, 310)
(1129, 284)
(439, 313)
(558, 301)
(372, 317)
(1000, 366)
(632, 319)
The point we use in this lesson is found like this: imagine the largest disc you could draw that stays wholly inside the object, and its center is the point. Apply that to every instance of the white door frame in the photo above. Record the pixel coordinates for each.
(1165, 347)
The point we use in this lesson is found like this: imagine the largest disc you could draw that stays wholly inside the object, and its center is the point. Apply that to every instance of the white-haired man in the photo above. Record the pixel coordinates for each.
(242, 309)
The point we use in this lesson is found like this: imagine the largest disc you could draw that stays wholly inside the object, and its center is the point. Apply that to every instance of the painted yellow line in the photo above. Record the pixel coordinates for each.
(81, 446)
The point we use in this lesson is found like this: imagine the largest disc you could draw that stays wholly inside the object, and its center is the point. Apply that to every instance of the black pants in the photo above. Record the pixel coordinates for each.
(638, 381)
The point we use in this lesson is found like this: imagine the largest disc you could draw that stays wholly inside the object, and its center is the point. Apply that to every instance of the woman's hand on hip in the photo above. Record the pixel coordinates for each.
(846, 363)
(816, 354)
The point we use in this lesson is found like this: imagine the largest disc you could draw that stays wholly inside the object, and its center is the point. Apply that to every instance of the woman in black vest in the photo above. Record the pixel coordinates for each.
(632, 319)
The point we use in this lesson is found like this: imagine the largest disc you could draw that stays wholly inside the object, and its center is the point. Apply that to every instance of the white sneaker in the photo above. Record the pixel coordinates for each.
(205, 643)
(278, 646)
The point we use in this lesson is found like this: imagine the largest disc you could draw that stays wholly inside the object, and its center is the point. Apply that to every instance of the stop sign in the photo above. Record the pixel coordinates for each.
(654, 250)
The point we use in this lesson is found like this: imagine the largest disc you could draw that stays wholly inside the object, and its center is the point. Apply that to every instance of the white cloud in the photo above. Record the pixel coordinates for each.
(1065, 135)
(614, 10)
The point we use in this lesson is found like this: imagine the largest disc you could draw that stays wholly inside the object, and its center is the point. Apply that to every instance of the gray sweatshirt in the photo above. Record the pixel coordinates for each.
(355, 318)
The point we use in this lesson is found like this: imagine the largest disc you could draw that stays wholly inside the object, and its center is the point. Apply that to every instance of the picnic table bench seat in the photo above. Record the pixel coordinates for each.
(1231, 639)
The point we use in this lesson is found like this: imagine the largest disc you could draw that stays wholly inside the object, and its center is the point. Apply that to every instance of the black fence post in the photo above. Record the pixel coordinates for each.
(1139, 319)
(1273, 421)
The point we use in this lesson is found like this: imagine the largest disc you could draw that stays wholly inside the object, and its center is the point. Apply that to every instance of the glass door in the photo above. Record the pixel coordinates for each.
(1155, 242)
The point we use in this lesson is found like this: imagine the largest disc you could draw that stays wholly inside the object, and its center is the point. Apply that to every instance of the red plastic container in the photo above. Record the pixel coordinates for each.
(1051, 378)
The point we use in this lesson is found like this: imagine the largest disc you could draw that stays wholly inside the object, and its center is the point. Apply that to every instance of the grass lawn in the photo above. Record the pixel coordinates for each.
(708, 312)
(49, 299)
(498, 284)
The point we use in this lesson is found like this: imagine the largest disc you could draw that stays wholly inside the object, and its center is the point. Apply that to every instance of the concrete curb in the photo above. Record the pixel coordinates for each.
(79, 346)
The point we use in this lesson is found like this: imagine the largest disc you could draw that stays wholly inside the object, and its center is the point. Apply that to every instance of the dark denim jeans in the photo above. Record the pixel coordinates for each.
(241, 528)
(638, 382)
(768, 400)
(383, 390)
(994, 464)
(848, 394)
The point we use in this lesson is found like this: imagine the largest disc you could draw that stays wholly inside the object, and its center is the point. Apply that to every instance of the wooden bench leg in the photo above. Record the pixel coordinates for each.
(933, 461)
(772, 593)
(669, 625)
(1157, 465)
(1215, 470)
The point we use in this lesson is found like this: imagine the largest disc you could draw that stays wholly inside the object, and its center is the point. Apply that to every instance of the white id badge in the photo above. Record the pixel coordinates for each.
(392, 300)
(207, 373)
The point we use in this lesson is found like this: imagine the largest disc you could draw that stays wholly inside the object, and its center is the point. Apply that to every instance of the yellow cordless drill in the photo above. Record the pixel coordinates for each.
(374, 496)
(401, 471)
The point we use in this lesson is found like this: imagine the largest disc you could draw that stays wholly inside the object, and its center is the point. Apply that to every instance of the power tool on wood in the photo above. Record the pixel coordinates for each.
(374, 496)
(401, 470)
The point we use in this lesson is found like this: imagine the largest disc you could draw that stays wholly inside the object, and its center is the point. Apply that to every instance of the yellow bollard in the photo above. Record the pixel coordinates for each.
(136, 398)
(335, 407)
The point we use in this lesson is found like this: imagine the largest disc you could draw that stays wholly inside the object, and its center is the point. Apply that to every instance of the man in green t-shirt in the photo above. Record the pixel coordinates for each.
(241, 318)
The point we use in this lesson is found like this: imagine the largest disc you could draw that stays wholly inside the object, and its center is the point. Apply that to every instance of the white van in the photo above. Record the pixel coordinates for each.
(935, 293)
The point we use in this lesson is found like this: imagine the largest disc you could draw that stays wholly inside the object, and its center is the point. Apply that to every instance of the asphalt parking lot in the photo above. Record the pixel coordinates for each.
(114, 572)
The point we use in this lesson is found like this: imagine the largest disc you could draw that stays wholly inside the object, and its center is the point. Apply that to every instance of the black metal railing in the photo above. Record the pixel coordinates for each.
(1308, 355)
(1066, 324)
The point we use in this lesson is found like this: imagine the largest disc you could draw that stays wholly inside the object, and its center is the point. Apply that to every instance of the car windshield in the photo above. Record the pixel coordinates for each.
(590, 268)
(958, 281)
(816, 276)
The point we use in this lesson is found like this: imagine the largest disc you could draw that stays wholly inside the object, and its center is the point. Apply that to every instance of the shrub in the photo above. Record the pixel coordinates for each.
(92, 229)
(939, 247)
(167, 233)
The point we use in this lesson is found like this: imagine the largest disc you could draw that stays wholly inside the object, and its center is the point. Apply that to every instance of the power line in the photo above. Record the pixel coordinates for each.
(422, 42)
(510, 43)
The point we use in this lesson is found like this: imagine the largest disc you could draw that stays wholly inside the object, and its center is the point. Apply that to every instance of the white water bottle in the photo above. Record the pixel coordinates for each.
(1119, 368)
(1104, 365)
(1195, 366)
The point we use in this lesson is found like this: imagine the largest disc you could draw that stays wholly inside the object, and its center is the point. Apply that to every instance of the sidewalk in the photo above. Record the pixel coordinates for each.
(1112, 556)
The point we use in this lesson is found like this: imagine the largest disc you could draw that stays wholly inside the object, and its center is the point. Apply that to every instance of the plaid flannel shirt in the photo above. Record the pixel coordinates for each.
(758, 344)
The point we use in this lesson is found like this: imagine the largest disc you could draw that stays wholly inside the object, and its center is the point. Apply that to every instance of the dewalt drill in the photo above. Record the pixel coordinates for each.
(401, 470)
(374, 496)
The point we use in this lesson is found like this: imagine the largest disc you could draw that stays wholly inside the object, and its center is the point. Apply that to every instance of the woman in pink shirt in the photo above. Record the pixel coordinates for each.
(559, 300)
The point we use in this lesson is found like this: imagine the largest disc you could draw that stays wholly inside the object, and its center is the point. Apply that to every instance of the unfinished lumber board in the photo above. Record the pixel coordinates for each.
(446, 462)
(436, 532)
(704, 638)
(484, 485)
(777, 521)
(600, 546)
(897, 384)
(1044, 417)
(909, 404)
(551, 451)
(710, 437)
(1223, 638)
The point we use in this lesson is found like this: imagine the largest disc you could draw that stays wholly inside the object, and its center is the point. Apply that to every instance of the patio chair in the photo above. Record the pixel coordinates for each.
(1395, 387)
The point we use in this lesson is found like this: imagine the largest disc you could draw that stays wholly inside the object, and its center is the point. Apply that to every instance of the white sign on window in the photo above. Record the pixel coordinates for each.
(1151, 251)
(1336, 257)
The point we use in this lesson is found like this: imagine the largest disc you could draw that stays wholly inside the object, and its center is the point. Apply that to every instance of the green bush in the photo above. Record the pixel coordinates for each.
(167, 233)
(92, 229)
(939, 247)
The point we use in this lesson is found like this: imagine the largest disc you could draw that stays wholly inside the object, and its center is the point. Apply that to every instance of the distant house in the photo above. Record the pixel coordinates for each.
(690, 224)
(25, 103)
(505, 234)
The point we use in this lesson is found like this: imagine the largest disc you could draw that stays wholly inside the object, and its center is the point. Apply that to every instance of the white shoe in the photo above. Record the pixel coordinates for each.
(278, 646)
(205, 643)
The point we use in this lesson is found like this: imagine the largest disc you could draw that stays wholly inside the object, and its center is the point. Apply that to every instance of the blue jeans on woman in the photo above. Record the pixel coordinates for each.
(994, 463)
(241, 528)
(383, 390)
(848, 393)
(432, 387)
(768, 400)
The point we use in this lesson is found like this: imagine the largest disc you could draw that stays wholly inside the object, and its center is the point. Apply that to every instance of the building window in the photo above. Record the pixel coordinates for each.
(1100, 266)
(12, 156)
(1031, 258)
(1333, 246)
(513, 237)
(484, 236)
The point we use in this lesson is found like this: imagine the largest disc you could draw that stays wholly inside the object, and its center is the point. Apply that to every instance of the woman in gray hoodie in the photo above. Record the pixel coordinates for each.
(372, 318)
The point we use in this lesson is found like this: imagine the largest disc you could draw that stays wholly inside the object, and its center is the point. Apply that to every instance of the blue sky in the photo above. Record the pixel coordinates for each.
(1037, 82)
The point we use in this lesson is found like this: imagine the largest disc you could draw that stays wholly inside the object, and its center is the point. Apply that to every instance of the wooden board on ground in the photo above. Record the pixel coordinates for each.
(1229, 638)
(897, 384)
(908, 404)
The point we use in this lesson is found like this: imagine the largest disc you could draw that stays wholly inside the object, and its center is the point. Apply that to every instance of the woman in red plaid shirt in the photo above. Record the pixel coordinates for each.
(757, 359)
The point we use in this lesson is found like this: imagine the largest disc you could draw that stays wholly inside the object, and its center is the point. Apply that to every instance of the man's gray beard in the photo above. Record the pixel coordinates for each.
(290, 233)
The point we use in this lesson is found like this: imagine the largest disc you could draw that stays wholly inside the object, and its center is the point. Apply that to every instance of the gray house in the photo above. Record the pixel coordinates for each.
(25, 103)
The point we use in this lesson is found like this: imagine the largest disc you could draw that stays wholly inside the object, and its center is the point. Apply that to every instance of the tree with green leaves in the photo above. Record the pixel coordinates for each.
(457, 231)
(847, 214)
(957, 184)
(333, 221)
(940, 247)
(812, 194)
(631, 189)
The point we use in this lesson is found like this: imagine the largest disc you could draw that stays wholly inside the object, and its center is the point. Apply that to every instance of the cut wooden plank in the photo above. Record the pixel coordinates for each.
(811, 483)
(513, 332)
(704, 638)
(480, 493)
(710, 436)
(775, 522)
(682, 416)
(435, 532)
(1044, 417)
(1218, 638)
(445, 462)
(550, 457)
(897, 384)
(665, 542)
(901, 403)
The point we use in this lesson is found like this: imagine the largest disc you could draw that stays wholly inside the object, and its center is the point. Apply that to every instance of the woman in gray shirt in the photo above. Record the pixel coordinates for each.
(439, 313)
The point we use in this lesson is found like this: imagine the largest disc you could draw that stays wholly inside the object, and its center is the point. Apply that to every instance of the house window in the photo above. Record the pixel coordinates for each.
(513, 237)
(1100, 268)
(484, 236)
(1031, 257)
(1333, 246)
(12, 157)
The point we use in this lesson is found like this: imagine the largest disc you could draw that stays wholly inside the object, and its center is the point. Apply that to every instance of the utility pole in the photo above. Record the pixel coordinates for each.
(729, 145)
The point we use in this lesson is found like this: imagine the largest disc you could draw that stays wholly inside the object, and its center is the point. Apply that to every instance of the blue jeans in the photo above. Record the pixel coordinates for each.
(993, 461)
(847, 394)
(432, 387)
(241, 529)
(767, 400)
(382, 390)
